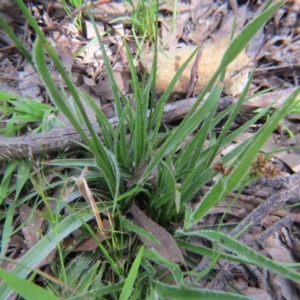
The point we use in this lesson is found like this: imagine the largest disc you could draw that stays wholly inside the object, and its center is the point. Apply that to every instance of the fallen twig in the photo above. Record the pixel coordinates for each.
(60, 139)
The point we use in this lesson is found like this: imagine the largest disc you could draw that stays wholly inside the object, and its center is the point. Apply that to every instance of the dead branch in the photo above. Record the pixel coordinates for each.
(66, 137)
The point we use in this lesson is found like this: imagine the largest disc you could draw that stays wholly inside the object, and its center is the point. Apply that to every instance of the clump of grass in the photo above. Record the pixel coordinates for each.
(23, 112)
(77, 20)
(143, 18)
(137, 162)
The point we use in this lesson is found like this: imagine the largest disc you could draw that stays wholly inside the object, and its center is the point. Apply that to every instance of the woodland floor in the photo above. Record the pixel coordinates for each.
(274, 53)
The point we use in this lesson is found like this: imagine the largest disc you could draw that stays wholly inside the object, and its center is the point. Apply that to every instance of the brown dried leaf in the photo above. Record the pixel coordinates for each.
(90, 243)
(48, 259)
(66, 56)
(169, 34)
(283, 287)
(292, 160)
(7, 70)
(90, 31)
(194, 74)
(4, 4)
(33, 225)
(11, 264)
(168, 247)
(170, 61)
(108, 11)
(7, 18)
(180, 7)
(269, 146)
(277, 250)
(29, 83)
(88, 81)
(238, 209)
(103, 88)
(17, 241)
(201, 10)
(257, 294)
(205, 29)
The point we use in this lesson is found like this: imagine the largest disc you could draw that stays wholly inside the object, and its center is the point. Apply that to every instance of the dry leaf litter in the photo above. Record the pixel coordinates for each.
(274, 52)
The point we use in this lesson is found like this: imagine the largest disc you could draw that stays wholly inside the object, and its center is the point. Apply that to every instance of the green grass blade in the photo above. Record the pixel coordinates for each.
(140, 115)
(10, 167)
(236, 46)
(183, 130)
(209, 252)
(183, 293)
(94, 144)
(40, 61)
(226, 185)
(17, 42)
(140, 231)
(88, 279)
(228, 124)
(131, 277)
(35, 255)
(193, 155)
(244, 37)
(190, 189)
(96, 293)
(157, 114)
(25, 288)
(7, 229)
(107, 130)
(114, 87)
(22, 176)
(158, 259)
(247, 253)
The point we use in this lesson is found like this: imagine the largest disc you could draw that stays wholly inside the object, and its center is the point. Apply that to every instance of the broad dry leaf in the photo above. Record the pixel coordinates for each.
(269, 146)
(238, 209)
(169, 63)
(169, 34)
(168, 247)
(66, 56)
(33, 224)
(285, 288)
(90, 30)
(88, 81)
(180, 7)
(7, 70)
(256, 293)
(29, 83)
(90, 244)
(89, 111)
(207, 26)
(110, 11)
(292, 160)
(47, 259)
(104, 89)
(17, 242)
(201, 10)
(279, 252)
